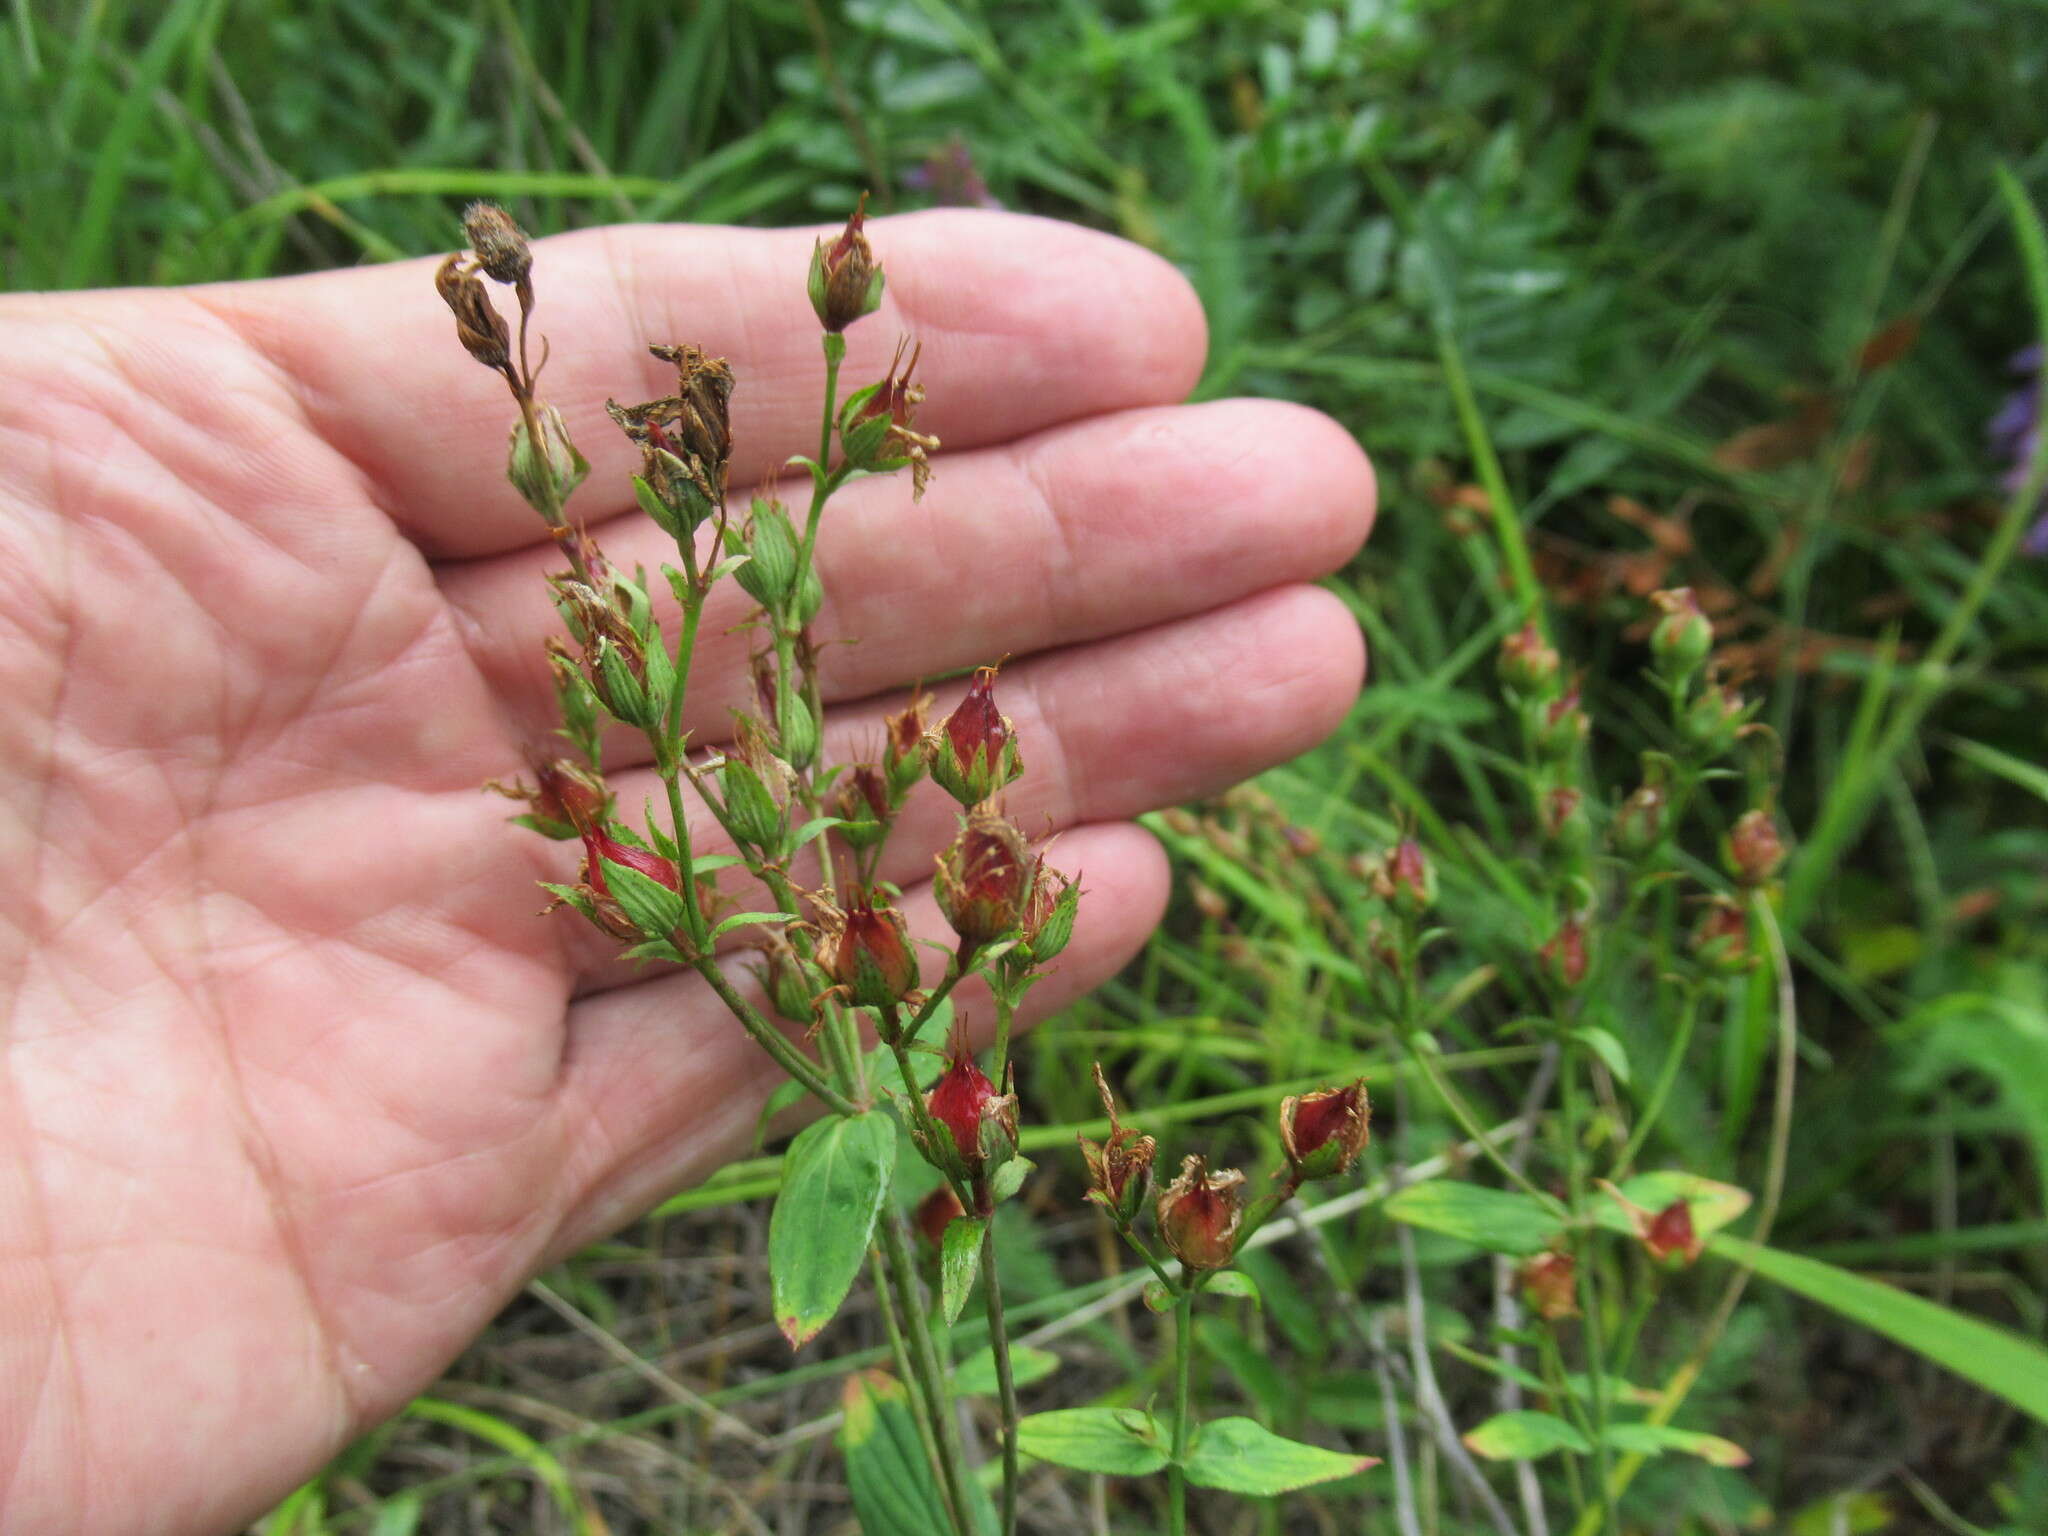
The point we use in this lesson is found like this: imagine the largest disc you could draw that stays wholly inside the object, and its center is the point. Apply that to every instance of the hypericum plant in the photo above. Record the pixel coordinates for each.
(793, 879)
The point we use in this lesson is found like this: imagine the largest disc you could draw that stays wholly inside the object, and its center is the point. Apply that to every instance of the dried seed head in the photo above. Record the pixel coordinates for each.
(593, 897)
(903, 749)
(863, 806)
(685, 439)
(845, 279)
(1668, 1236)
(500, 245)
(875, 425)
(478, 325)
(1322, 1133)
(1049, 915)
(1119, 1167)
(1550, 1286)
(1199, 1214)
(1639, 821)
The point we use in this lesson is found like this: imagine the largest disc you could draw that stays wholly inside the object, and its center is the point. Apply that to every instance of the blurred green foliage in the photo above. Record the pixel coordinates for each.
(1733, 290)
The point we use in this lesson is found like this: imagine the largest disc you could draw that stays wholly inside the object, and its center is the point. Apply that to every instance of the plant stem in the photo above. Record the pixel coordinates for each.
(1183, 1357)
(774, 1042)
(931, 1373)
(1453, 1101)
(1006, 1386)
(1589, 1288)
(1667, 1076)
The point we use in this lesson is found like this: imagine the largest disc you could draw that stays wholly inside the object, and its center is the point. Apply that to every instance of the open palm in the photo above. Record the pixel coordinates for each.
(295, 1086)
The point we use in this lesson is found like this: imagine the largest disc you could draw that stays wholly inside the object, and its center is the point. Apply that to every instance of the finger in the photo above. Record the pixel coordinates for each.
(1107, 731)
(1086, 531)
(652, 1105)
(1025, 322)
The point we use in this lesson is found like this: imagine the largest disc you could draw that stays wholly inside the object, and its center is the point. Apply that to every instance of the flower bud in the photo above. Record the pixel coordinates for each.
(500, 245)
(796, 729)
(1558, 727)
(478, 325)
(863, 806)
(570, 800)
(866, 949)
(1562, 809)
(1639, 821)
(1714, 719)
(1720, 941)
(936, 1212)
(1199, 1214)
(769, 574)
(979, 1124)
(1752, 850)
(984, 881)
(1550, 1285)
(555, 470)
(792, 983)
(903, 752)
(602, 906)
(1528, 665)
(845, 280)
(1322, 1133)
(1120, 1167)
(1667, 1236)
(972, 753)
(1406, 880)
(1565, 958)
(1682, 638)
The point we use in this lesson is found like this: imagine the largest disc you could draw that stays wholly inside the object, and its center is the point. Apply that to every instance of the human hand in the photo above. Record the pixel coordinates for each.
(298, 1089)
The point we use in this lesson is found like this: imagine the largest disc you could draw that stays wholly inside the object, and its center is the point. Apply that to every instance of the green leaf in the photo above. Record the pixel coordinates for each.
(742, 919)
(1497, 1220)
(1524, 1436)
(833, 1179)
(1234, 1282)
(1613, 1055)
(885, 1078)
(1009, 1177)
(976, 1375)
(1243, 1456)
(1157, 1297)
(1655, 1439)
(1996, 1359)
(1713, 1204)
(959, 1259)
(887, 1472)
(1117, 1442)
(655, 909)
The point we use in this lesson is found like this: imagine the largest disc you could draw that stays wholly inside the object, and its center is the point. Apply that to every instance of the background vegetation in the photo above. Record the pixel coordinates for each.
(1734, 296)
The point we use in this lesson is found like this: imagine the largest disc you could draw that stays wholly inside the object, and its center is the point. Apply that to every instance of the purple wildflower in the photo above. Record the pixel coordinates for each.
(2015, 434)
(950, 176)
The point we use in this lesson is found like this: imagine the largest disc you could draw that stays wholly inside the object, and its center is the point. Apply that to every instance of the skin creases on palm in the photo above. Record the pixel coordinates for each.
(298, 1087)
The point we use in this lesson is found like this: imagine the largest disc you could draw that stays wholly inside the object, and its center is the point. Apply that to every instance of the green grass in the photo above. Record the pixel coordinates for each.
(1566, 254)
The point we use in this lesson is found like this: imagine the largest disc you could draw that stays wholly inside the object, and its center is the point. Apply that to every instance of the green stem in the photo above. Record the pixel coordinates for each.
(931, 1373)
(921, 1412)
(1460, 1111)
(1006, 1386)
(1592, 1329)
(1183, 1359)
(772, 1040)
(1660, 1092)
(1507, 523)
